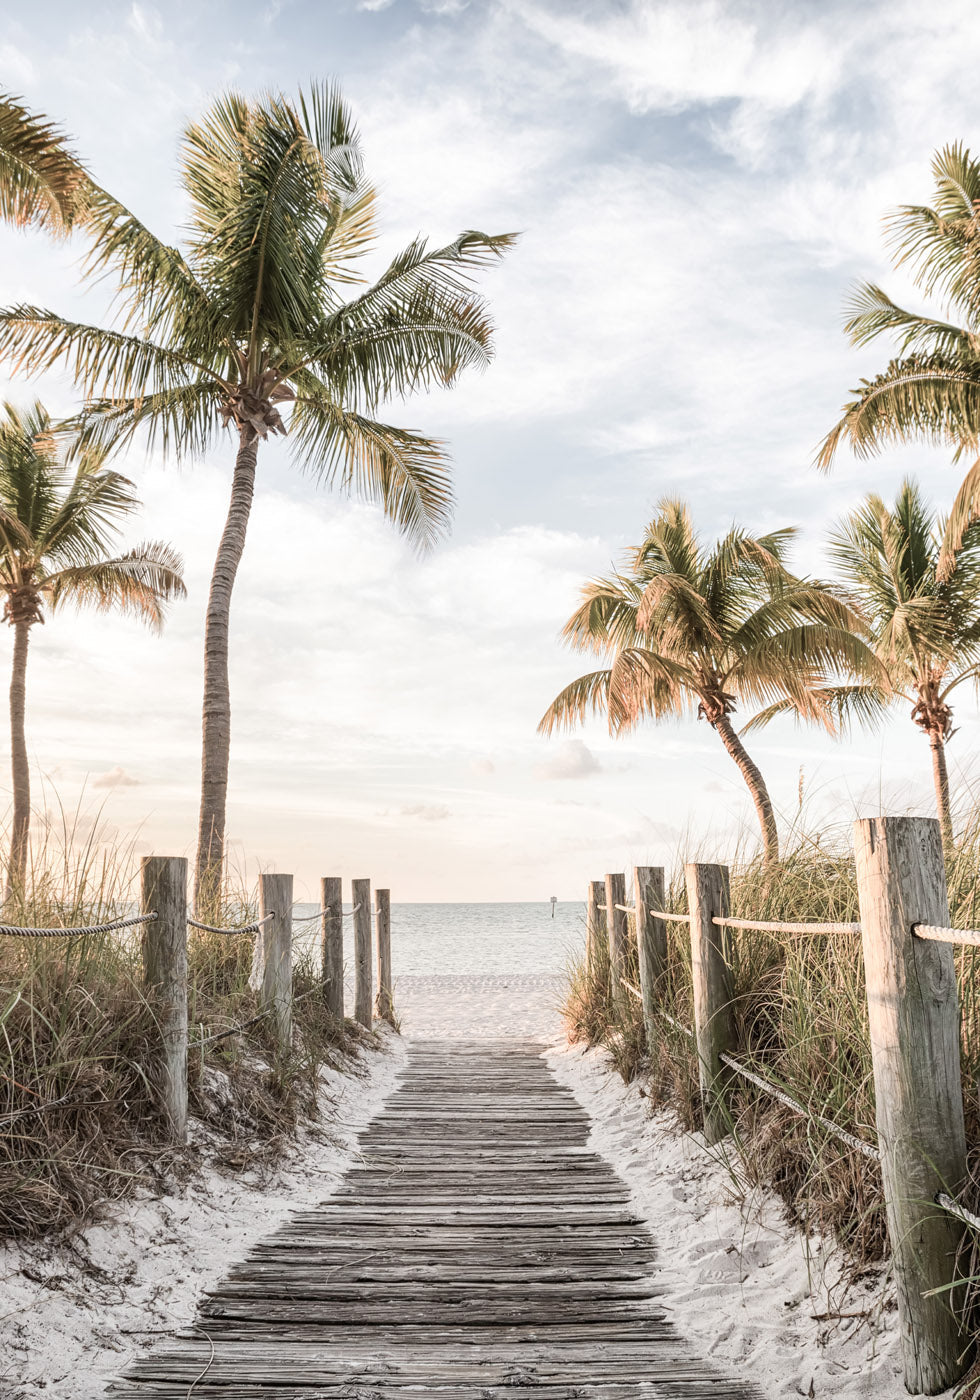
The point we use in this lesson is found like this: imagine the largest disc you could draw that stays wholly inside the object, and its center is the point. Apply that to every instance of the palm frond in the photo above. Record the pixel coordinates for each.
(401, 470)
(933, 398)
(139, 583)
(42, 181)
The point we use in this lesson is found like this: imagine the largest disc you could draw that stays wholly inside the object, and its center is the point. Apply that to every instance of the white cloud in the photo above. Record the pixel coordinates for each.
(573, 760)
(427, 811)
(114, 778)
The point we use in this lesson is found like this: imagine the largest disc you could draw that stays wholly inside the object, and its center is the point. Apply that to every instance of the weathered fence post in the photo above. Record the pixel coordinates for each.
(163, 890)
(714, 990)
(915, 1049)
(594, 926)
(332, 943)
(361, 895)
(275, 939)
(616, 924)
(385, 1004)
(651, 941)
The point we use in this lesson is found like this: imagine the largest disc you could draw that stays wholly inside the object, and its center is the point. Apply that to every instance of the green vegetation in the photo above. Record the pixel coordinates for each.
(688, 627)
(925, 631)
(57, 524)
(931, 392)
(251, 318)
(802, 1020)
(79, 1125)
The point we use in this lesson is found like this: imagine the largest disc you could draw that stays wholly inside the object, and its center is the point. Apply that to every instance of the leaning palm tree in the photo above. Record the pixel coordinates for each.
(931, 391)
(252, 318)
(688, 628)
(57, 526)
(925, 632)
(42, 181)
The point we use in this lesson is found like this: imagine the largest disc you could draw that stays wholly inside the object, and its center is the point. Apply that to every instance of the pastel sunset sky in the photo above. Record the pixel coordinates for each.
(696, 185)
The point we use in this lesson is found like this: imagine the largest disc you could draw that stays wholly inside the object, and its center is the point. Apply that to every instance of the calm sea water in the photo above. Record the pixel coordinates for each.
(474, 939)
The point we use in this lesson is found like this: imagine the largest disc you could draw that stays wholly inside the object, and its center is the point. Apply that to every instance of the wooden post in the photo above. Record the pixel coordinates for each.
(915, 1049)
(163, 889)
(275, 939)
(361, 895)
(714, 991)
(651, 941)
(385, 1004)
(616, 924)
(332, 943)
(595, 929)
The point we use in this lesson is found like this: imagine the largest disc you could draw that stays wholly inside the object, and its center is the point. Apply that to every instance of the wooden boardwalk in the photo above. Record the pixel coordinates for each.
(477, 1248)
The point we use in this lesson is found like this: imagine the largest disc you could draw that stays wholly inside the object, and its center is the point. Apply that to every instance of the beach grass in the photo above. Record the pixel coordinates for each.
(802, 1021)
(78, 1124)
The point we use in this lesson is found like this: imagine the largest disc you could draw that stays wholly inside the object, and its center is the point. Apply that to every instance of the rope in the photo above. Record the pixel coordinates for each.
(677, 1024)
(627, 908)
(763, 927)
(630, 988)
(344, 914)
(242, 928)
(768, 1087)
(961, 1212)
(947, 935)
(12, 931)
(672, 918)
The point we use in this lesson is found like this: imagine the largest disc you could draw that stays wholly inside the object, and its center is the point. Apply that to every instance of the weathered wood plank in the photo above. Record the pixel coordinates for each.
(478, 1249)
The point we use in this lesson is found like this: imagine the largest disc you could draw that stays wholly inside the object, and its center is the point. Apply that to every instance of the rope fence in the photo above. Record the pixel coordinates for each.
(954, 1208)
(773, 1090)
(13, 931)
(764, 926)
(936, 934)
(240, 928)
(308, 918)
(921, 1147)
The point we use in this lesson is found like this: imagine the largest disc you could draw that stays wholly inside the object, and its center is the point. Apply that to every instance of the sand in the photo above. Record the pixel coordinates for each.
(738, 1281)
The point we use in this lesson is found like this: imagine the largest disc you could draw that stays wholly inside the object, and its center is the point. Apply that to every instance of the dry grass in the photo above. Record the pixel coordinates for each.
(802, 1020)
(75, 1026)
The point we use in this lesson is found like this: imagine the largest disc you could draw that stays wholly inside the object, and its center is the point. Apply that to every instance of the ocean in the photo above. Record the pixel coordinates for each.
(472, 940)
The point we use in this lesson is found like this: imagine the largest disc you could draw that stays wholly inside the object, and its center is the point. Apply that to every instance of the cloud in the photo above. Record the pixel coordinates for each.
(115, 778)
(427, 811)
(483, 767)
(573, 760)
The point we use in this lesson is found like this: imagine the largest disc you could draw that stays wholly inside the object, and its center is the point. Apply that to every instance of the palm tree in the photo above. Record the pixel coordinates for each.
(57, 524)
(693, 628)
(41, 180)
(925, 632)
(251, 318)
(931, 391)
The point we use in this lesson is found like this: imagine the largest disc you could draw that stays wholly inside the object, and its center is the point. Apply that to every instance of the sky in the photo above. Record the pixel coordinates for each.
(696, 186)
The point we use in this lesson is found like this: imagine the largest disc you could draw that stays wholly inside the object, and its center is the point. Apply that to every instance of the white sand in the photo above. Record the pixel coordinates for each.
(734, 1275)
(68, 1324)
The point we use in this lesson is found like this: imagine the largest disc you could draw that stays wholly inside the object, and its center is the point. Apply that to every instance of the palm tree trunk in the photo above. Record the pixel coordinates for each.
(756, 784)
(217, 700)
(19, 766)
(940, 776)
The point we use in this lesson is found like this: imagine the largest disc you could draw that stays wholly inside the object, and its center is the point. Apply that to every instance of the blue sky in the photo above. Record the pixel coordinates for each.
(696, 186)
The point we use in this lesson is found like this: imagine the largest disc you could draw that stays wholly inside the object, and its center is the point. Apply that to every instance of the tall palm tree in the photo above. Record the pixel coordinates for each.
(57, 525)
(931, 391)
(41, 180)
(688, 627)
(925, 632)
(251, 318)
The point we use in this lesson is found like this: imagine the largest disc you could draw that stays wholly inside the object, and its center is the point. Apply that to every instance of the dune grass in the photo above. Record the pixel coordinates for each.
(78, 1125)
(802, 1020)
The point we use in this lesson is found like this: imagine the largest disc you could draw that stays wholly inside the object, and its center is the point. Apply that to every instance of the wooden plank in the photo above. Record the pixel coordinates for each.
(479, 1248)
